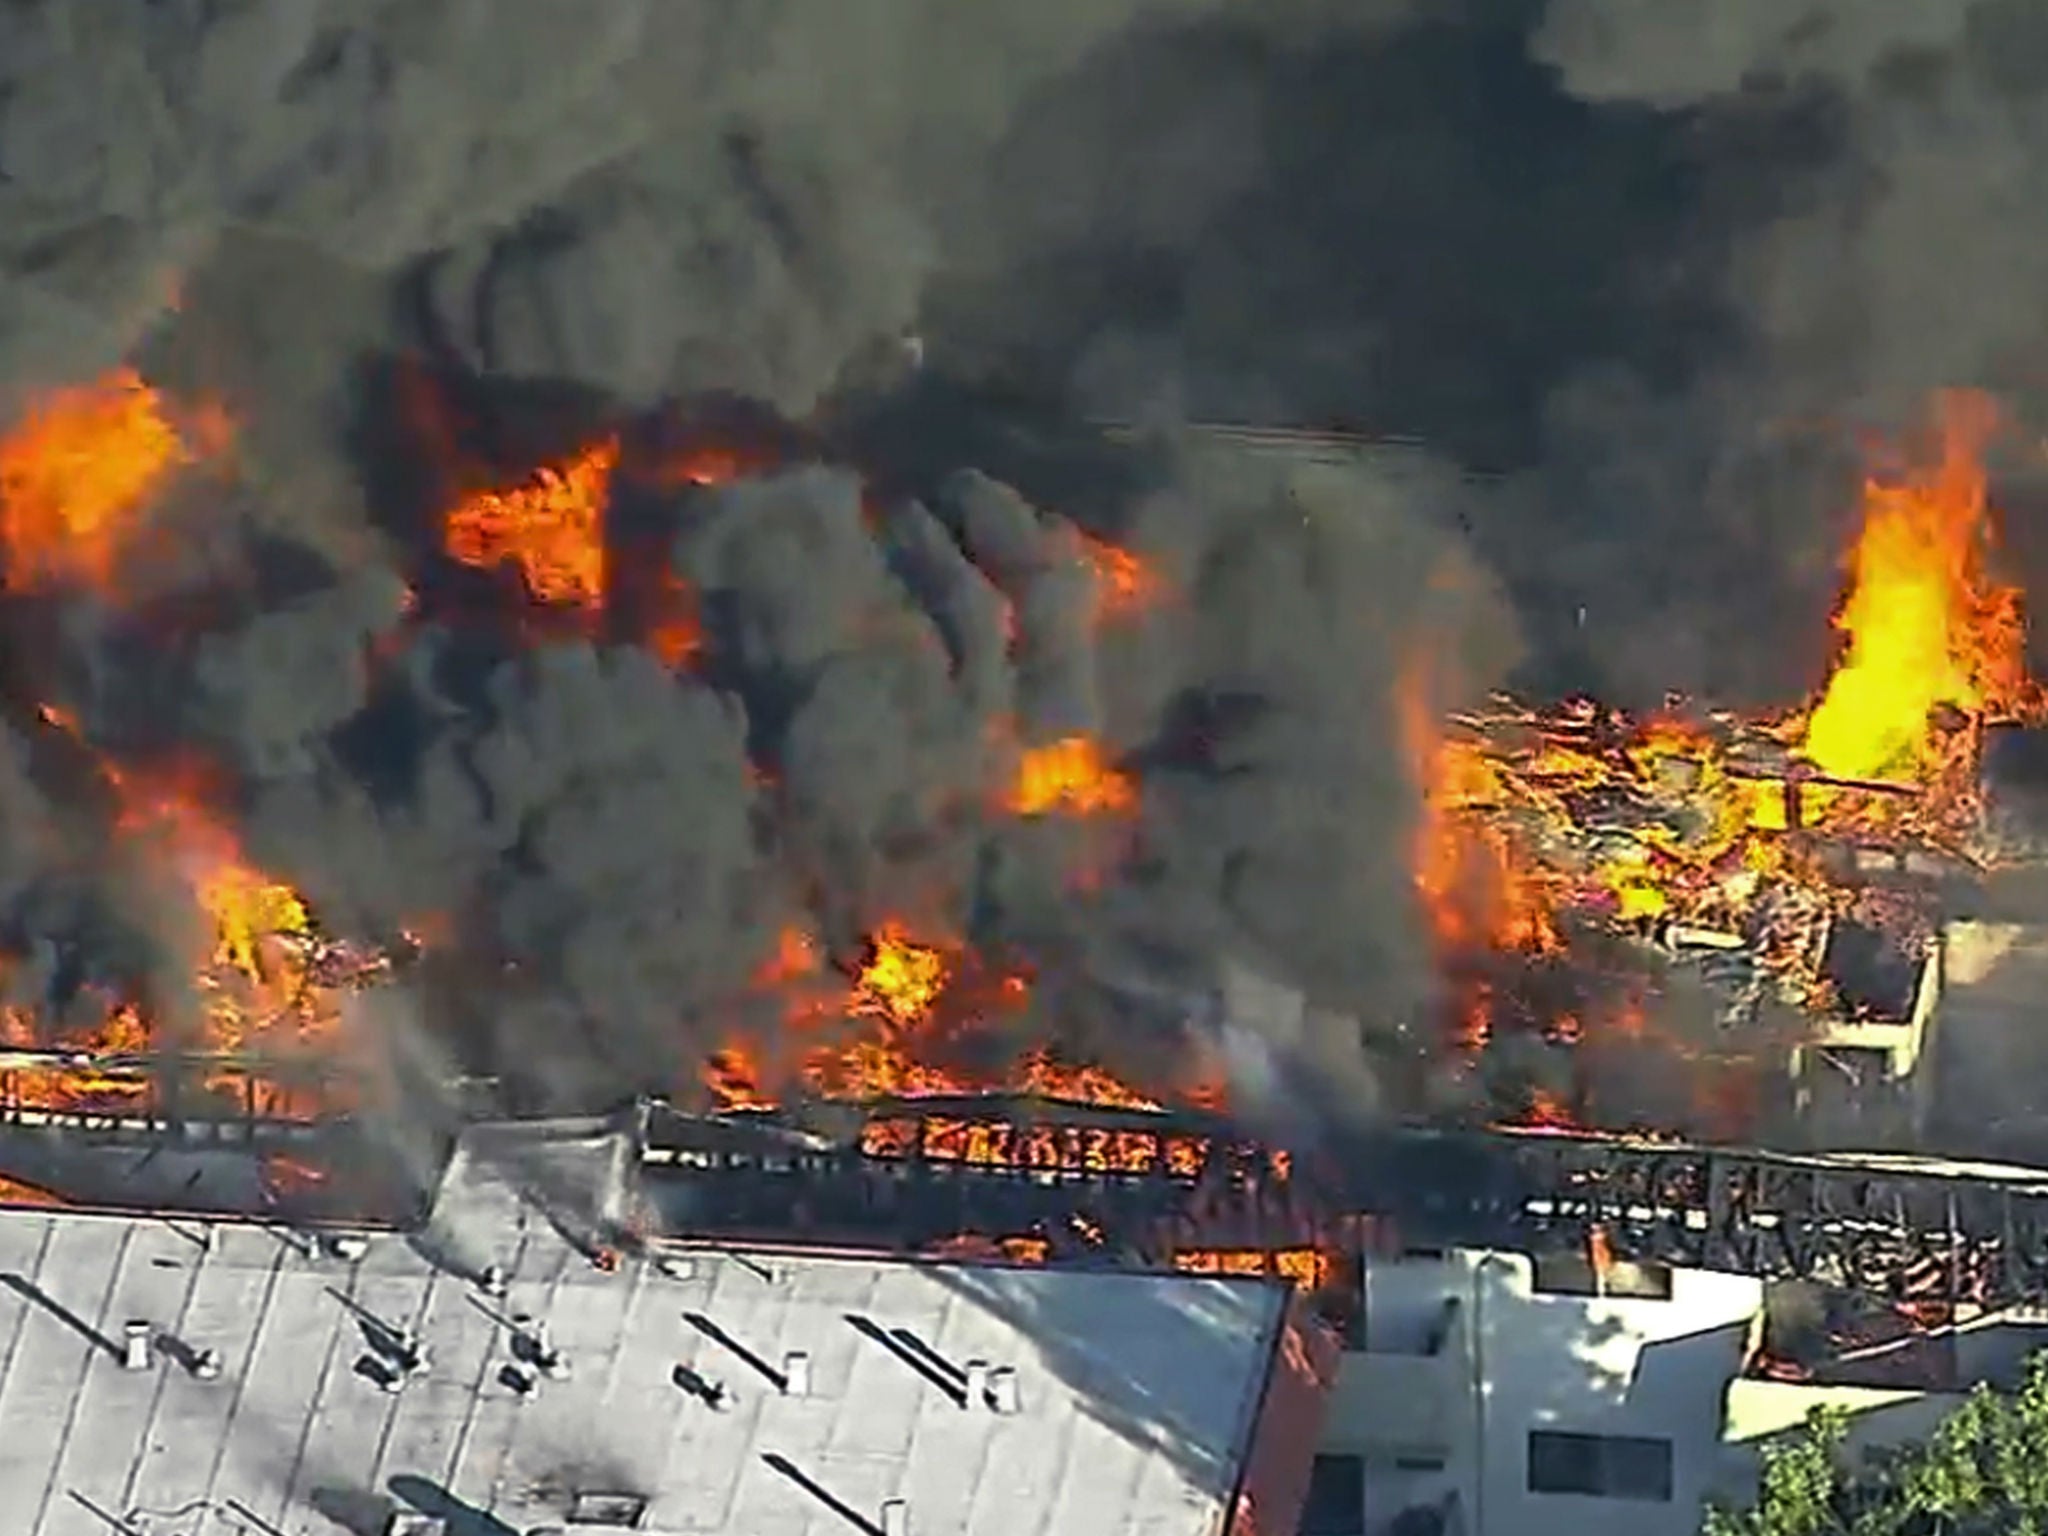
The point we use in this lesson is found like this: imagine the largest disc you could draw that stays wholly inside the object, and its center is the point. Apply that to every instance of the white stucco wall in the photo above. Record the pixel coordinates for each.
(1519, 1361)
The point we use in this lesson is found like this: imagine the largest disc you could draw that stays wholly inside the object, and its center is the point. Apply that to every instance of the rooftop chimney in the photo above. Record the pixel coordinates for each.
(977, 1384)
(1002, 1389)
(895, 1518)
(135, 1347)
(796, 1374)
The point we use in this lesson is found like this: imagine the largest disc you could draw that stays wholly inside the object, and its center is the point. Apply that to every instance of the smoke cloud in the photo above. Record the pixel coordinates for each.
(1631, 274)
(656, 199)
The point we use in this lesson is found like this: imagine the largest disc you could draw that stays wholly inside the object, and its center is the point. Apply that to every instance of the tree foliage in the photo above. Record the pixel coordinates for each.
(1983, 1472)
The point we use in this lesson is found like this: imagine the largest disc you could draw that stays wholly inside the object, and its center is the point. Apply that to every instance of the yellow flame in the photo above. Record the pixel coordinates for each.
(1925, 625)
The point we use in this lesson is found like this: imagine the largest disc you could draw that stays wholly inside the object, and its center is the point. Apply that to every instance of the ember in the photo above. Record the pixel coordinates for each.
(1124, 584)
(1311, 1269)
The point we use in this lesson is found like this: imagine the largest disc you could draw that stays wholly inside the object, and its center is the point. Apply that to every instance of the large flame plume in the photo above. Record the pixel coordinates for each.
(1925, 625)
(1541, 828)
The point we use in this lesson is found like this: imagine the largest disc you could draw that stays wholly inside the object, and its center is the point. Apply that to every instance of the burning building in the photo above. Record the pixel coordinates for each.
(1794, 874)
(1699, 924)
(527, 588)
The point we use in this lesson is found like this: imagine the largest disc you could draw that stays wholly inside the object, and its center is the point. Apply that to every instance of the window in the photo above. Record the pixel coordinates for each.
(1606, 1466)
(1568, 1272)
(1336, 1498)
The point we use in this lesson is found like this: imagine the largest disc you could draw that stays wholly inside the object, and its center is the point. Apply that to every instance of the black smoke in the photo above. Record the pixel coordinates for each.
(1632, 287)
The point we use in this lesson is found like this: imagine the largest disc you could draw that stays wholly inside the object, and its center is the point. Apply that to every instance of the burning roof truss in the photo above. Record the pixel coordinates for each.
(1909, 1229)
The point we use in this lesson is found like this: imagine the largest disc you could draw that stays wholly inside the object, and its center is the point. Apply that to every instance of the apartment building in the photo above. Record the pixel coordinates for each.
(1485, 1394)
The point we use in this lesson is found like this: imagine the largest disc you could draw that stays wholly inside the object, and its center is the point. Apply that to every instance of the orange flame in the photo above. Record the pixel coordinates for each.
(16, 1192)
(674, 632)
(77, 472)
(895, 1030)
(1718, 833)
(901, 979)
(1070, 775)
(796, 954)
(255, 972)
(1476, 887)
(1310, 1269)
(1124, 584)
(706, 464)
(1038, 1073)
(1547, 1112)
(263, 978)
(551, 529)
(1925, 625)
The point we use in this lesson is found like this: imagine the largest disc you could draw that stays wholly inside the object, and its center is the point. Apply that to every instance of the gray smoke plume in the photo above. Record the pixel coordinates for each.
(650, 198)
(1636, 268)
(1655, 262)
(1904, 260)
(1661, 267)
(624, 873)
(1914, 259)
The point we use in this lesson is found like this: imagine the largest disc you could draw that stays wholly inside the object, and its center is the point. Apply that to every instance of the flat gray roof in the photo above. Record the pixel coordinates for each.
(1136, 1394)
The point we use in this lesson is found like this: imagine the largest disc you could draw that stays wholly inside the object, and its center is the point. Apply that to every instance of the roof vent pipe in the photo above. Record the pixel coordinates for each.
(796, 1374)
(1002, 1389)
(895, 1518)
(976, 1395)
(135, 1347)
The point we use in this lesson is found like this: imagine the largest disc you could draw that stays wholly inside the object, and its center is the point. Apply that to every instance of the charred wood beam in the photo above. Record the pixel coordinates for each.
(1884, 1226)
(1890, 1226)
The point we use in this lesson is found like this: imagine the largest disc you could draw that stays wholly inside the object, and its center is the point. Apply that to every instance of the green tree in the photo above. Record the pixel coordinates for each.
(1983, 1472)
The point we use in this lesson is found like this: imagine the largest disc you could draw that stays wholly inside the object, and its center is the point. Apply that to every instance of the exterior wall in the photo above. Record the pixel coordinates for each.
(1892, 1107)
(1993, 1053)
(1278, 1462)
(1760, 1412)
(1511, 1361)
(1994, 1350)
